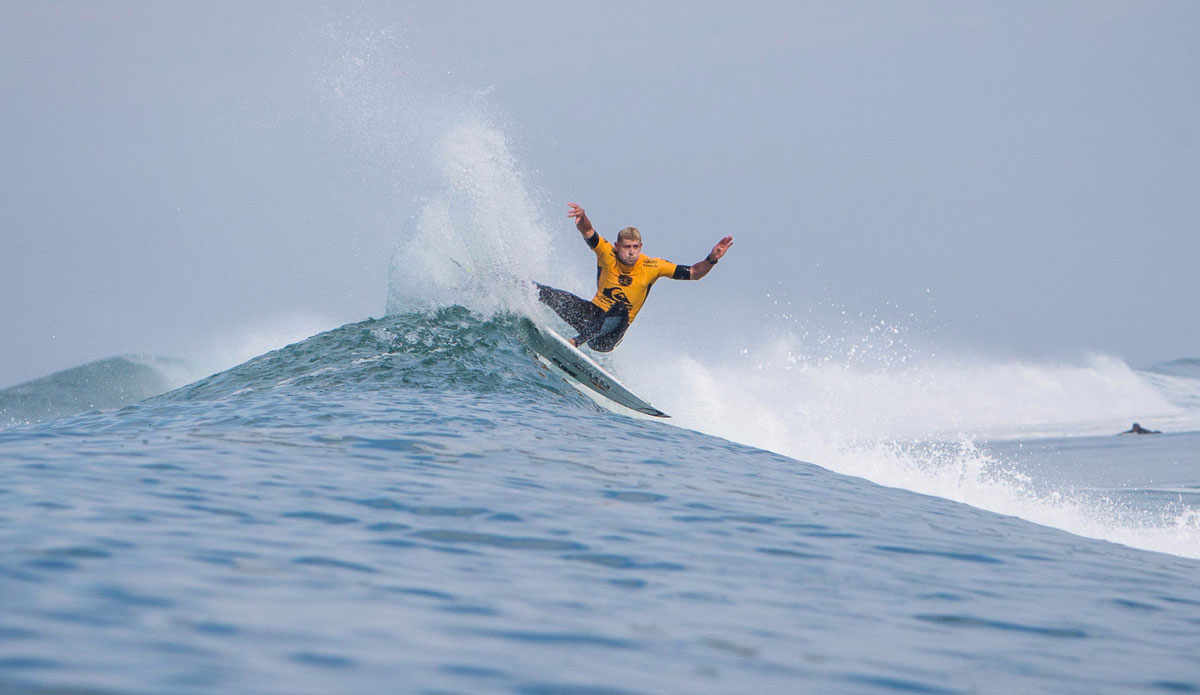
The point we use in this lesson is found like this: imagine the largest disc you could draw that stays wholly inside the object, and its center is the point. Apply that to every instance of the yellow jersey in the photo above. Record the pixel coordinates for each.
(630, 285)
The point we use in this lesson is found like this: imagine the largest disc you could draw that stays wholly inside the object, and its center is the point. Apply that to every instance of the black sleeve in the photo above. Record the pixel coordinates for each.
(595, 240)
(682, 272)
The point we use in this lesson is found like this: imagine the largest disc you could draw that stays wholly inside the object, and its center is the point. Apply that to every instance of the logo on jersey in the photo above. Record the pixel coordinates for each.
(617, 295)
(624, 280)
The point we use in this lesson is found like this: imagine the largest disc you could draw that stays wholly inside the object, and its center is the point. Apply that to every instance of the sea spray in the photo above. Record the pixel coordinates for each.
(480, 241)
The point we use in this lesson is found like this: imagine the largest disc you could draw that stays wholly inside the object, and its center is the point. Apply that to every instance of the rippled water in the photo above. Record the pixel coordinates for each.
(414, 505)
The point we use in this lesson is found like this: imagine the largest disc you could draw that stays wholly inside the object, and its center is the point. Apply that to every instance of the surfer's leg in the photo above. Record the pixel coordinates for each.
(609, 330)
(579, 314)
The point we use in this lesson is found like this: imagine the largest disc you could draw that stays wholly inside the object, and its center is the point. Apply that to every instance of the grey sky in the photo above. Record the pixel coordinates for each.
(1019, 177)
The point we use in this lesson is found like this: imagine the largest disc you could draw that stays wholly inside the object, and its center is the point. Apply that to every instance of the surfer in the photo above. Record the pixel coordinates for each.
(624, 276)
(1138, 429)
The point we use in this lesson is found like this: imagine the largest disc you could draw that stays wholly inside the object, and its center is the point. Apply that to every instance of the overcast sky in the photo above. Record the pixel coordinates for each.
(1017, 178)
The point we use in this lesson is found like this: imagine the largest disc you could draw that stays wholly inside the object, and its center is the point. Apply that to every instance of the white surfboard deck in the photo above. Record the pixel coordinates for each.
(555, 349)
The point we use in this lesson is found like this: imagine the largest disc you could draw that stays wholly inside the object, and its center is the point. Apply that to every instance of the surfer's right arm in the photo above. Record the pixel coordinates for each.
(582, 223)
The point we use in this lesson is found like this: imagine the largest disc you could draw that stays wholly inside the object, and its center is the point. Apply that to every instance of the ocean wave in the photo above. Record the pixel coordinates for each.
(448, 349)
(104, 384)
(1186, 367)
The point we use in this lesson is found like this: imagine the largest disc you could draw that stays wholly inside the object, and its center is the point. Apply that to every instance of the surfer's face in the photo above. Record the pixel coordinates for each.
(628, 251)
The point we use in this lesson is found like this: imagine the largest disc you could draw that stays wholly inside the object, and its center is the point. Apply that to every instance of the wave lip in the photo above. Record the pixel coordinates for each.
(112, 382)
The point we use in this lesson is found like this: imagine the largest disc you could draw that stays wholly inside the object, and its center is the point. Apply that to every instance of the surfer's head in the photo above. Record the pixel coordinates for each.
(629, 245)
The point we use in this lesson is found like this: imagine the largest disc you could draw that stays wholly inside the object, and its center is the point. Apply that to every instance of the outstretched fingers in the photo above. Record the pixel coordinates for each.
(582, 223)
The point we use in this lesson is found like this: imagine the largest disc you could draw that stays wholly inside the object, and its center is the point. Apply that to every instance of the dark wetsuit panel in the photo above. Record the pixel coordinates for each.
(598, 329)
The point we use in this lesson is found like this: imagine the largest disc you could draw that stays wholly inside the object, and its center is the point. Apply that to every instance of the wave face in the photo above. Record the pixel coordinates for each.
(415, 500)
(103, 384)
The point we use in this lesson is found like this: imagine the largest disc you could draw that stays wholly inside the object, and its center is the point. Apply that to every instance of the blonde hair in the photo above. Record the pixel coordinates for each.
(629, 233)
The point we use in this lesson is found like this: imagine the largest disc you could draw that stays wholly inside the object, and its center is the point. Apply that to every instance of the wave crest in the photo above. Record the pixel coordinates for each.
(449, 349)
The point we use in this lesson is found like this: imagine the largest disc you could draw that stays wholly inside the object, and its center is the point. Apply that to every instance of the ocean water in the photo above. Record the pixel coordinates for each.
(414, 504)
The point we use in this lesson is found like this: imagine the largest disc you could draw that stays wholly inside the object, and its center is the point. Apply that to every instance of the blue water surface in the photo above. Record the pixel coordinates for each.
(414, 505)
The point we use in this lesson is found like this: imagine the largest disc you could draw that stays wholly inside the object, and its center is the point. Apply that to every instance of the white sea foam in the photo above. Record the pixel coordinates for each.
(920, 425)
(941, 398)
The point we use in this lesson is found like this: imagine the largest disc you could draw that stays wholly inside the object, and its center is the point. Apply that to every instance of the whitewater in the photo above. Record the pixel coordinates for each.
(414, 504)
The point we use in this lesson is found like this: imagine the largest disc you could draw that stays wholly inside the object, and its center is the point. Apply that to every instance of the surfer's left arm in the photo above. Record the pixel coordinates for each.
(701, 269)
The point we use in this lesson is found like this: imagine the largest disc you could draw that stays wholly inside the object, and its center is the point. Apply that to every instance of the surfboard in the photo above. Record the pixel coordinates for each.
(570, 360)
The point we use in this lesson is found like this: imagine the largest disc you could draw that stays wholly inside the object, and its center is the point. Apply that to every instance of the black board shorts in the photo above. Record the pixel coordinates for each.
(598, 329)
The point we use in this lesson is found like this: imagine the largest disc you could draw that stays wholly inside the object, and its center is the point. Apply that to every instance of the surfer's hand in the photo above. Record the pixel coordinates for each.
(582, 223)
(721, 247)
